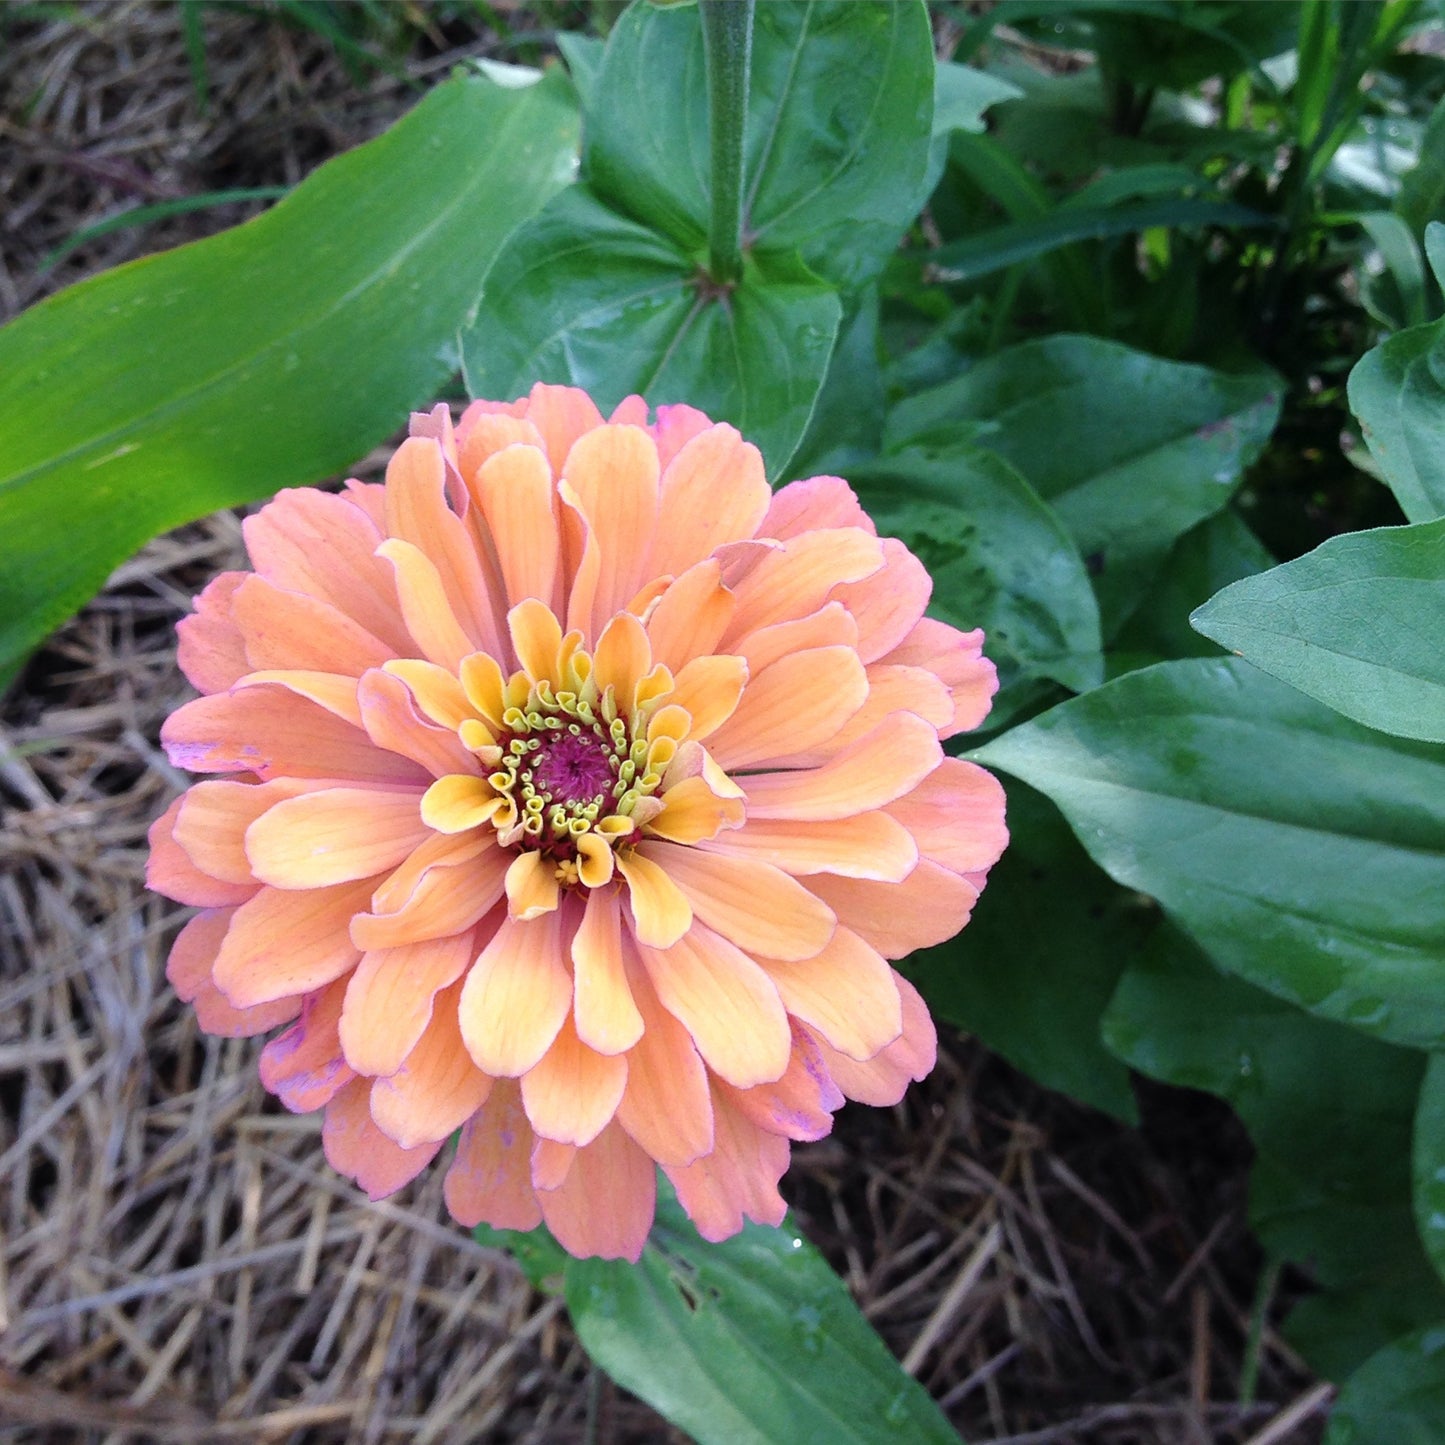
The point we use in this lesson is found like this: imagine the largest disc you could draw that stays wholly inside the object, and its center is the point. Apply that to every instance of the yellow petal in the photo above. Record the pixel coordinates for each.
(660, 912)
(438, 694)
(536, 639)
(532, 887)
(458, 802)
(607, 1018)
(710, 688)
(691, 811)
(425, 606)
(623, 657)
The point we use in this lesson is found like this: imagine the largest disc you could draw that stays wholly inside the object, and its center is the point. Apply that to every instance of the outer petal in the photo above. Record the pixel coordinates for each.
(883, 1079)
(446, 886)
(211, 651)
(514, 488)
(516, 995)
(728, 1004)
(815, 502)
(189, 966)
(334, 836)
(561, 415)
(801, 1104)
(957, 816)
(691, 616)
(392, 721)
(605, 1205)
(213, 818)
(661, 913)
(357, 1148)
(291, 630)
(303, 1067)
(169, 869)
(572, 1093)
(957, 658)
(798, 578)
(713, 492)
(490, 1180)
(871, 845)
(926, 908)
(889, 603)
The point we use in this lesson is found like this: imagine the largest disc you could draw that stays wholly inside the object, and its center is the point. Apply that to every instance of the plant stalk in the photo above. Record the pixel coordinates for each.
(727, 34)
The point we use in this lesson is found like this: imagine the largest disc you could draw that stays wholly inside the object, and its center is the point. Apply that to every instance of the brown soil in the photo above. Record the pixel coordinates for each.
(176, 1260)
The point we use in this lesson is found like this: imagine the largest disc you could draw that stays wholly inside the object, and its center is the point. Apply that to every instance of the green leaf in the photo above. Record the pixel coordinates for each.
(541, 1258)
(1430, 1163)
(961, 94)
(1154, 447)
(1359, 623)
(846, 427)
(1302, 851)
(1032, 973)
(839, 117)
(1397, 1397)
(1422, 189)
(584, 296)
(754, 1341)
(999, 558)
(270, 355)
(1329, 1111)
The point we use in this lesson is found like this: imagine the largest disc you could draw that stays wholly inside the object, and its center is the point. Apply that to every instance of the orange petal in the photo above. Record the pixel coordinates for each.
(667, 1104)
(622, 658)
(878, 769)
(691, 616)
(798, 703)
(303, 1067)
(606, 1016)
(192, 957)
(957, 816)
(845, 993)
(274, 733)
(516, 995)
(485, 435)
(882, 1080)
(661, 913)
(890, 689)
(888, 604)
(801, 1104)
(727, 1003)
(213, 818)
(532, 887)
(797, 577)
(490, 1180)
(573, 1092)
(430, 620)
(437, 691)
(713, 492)
(515, 492)
(870, 845)
(829, 626)
(283, 943)
(334, 691)
(583, 561)
(439, 893)
(459, 802)
(211, 650)
(389, 999)
(738, 1180)
(169, 869)
(813, 503)
(561, 414)
(614, 472)
(437, 1089)
(334, 835)
(323, 544)
(926, 908)
(389, 715)
(291, 630)
(710, 689)
(677, 424)
(356, 1148)
(692, 811)
(752, 904)
(957, 659)
(604, 1207)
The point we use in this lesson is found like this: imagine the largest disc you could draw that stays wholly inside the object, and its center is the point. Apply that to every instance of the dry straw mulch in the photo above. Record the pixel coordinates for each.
(177, 1262)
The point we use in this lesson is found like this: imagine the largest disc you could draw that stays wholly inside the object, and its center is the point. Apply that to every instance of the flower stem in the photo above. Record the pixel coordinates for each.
(727, 33)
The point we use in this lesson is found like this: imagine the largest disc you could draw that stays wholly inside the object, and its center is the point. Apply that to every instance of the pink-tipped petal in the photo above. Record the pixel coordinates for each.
(303, 1067)
(357, 1148)
(490, 1179)
(605, 1205)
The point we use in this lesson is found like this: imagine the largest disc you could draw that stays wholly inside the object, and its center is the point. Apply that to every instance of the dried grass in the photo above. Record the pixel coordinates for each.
(177, 1262)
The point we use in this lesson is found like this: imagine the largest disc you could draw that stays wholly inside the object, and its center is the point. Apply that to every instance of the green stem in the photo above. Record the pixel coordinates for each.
(727, 33)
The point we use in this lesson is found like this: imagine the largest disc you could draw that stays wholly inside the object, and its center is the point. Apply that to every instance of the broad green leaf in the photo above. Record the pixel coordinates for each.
(270, 355)
(847, 422)
(1398, 393)
(1329, 1111)
(585, 296)
(1430, 1163)
(1205, 559)
(1397, 1397)
(1153, 447)
(1304, 852)
(541, 1258)
(1359, 623)
(839, 116)
(1422, 190)
(1032, 973)
(998, 556)
(961, 94)
(754, 1341)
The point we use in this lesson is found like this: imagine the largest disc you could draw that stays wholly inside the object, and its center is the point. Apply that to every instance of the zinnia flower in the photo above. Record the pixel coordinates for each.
(577, 790)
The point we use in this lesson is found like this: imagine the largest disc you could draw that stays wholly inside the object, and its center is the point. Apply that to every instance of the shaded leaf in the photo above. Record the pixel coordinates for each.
(1398, 1395)
(1429, 1156)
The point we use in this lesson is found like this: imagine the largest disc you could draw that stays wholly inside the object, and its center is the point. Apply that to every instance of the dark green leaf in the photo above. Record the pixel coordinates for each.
(1031, 974)
(1304, 852)
(1397, 1397)
(584, 296)
(1154, 447)
(840, 109)
(1359, 624)
(1430, 1163)
(269, 355)
(847, 422)
(999, 558)
(754, 1341)
(1329, 1111)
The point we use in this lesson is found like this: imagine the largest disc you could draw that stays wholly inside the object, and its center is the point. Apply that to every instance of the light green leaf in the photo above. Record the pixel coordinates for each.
(961, 95)
(1397, 1397)
(1031, 974)
(584, 296)
(1302, 851)
(1359, 623)
(1154, 447)
(999, 558)
(839, 117)
(270, 355)
(754, 1341)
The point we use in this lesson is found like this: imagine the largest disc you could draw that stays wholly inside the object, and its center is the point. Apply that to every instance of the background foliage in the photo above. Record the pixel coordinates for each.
(1126, 318)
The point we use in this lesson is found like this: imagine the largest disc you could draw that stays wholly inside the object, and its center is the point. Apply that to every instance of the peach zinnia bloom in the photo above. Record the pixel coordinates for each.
(578, 791)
